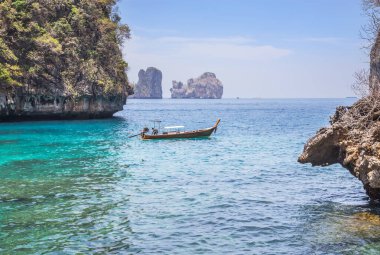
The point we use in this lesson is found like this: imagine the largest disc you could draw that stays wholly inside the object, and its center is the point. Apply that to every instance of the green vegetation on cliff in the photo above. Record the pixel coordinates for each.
(65, 47)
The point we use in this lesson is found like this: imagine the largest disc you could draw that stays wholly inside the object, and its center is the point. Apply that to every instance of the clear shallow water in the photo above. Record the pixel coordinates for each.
(82, 186)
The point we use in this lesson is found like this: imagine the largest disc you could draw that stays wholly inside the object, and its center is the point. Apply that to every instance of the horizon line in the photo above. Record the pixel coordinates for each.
(238, 98)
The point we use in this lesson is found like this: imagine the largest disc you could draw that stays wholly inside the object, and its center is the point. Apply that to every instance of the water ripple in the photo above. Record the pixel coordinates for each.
(70, 187)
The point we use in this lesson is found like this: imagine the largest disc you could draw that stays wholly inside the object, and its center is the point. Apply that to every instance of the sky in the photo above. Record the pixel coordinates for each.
(257, 48)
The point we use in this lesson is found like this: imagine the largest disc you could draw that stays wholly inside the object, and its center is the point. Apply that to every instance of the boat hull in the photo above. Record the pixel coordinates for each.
(187, 134)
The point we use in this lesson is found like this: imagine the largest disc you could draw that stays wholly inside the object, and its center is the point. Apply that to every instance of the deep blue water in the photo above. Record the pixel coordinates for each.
(70, 187)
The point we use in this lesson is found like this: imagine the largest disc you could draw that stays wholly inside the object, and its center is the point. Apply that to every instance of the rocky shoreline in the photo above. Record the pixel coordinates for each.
(24, 106)
(351, 141)
(353, 138)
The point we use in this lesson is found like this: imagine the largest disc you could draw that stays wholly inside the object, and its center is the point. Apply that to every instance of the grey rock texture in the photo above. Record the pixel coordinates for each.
(374, 78)
(207, 86)
(359, 154)
(19, 105)
(353, 138)
(149, 85)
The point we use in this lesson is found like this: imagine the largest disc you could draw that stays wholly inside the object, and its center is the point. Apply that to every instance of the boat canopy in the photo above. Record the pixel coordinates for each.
(174, 127)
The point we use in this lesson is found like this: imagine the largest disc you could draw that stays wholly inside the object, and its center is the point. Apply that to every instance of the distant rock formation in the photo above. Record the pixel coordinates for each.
(207, 86)
(149, 84)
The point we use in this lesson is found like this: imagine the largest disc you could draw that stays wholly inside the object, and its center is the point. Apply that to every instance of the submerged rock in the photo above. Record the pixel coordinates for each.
(149, 85)
(207, 86)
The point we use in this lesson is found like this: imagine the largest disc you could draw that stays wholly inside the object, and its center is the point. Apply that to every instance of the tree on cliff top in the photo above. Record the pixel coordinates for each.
(367, 82)
(62, 47)
(358, 118)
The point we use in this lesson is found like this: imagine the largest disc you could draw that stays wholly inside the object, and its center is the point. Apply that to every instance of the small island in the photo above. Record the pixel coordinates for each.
(207, 86)
(61, 60)
(149, 85)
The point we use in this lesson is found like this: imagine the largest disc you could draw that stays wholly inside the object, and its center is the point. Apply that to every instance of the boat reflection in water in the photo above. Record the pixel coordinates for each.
(177, 133)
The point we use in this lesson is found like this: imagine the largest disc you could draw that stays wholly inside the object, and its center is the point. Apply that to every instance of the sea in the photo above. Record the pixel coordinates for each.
(85, 187)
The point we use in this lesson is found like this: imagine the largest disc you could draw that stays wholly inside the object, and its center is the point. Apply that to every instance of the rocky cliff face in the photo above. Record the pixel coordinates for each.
(149, 85)
(207, 86)
(21, 105)
(353, 139)
(61, 60)
(354, 145)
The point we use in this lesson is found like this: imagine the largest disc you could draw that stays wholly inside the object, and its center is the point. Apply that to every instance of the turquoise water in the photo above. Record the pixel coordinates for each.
(70, 187)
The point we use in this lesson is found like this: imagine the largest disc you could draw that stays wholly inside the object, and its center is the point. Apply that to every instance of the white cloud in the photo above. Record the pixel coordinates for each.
(212, 49)
(325, 40)
(230, 40)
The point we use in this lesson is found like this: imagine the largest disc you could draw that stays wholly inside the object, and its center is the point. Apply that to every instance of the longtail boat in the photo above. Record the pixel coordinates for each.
(177, 133)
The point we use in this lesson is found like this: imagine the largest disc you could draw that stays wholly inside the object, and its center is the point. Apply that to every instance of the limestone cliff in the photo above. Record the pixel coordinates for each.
(354, 145)
(149, 85)
(19, 105)
(207, 86)
(353, 139)
(61, 60)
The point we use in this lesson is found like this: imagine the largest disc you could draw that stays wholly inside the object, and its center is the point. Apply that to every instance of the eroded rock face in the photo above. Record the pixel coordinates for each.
(207, 86)
(20, 105)
(356, 149)
(149, 85)
(353, 139)
(326, 138)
